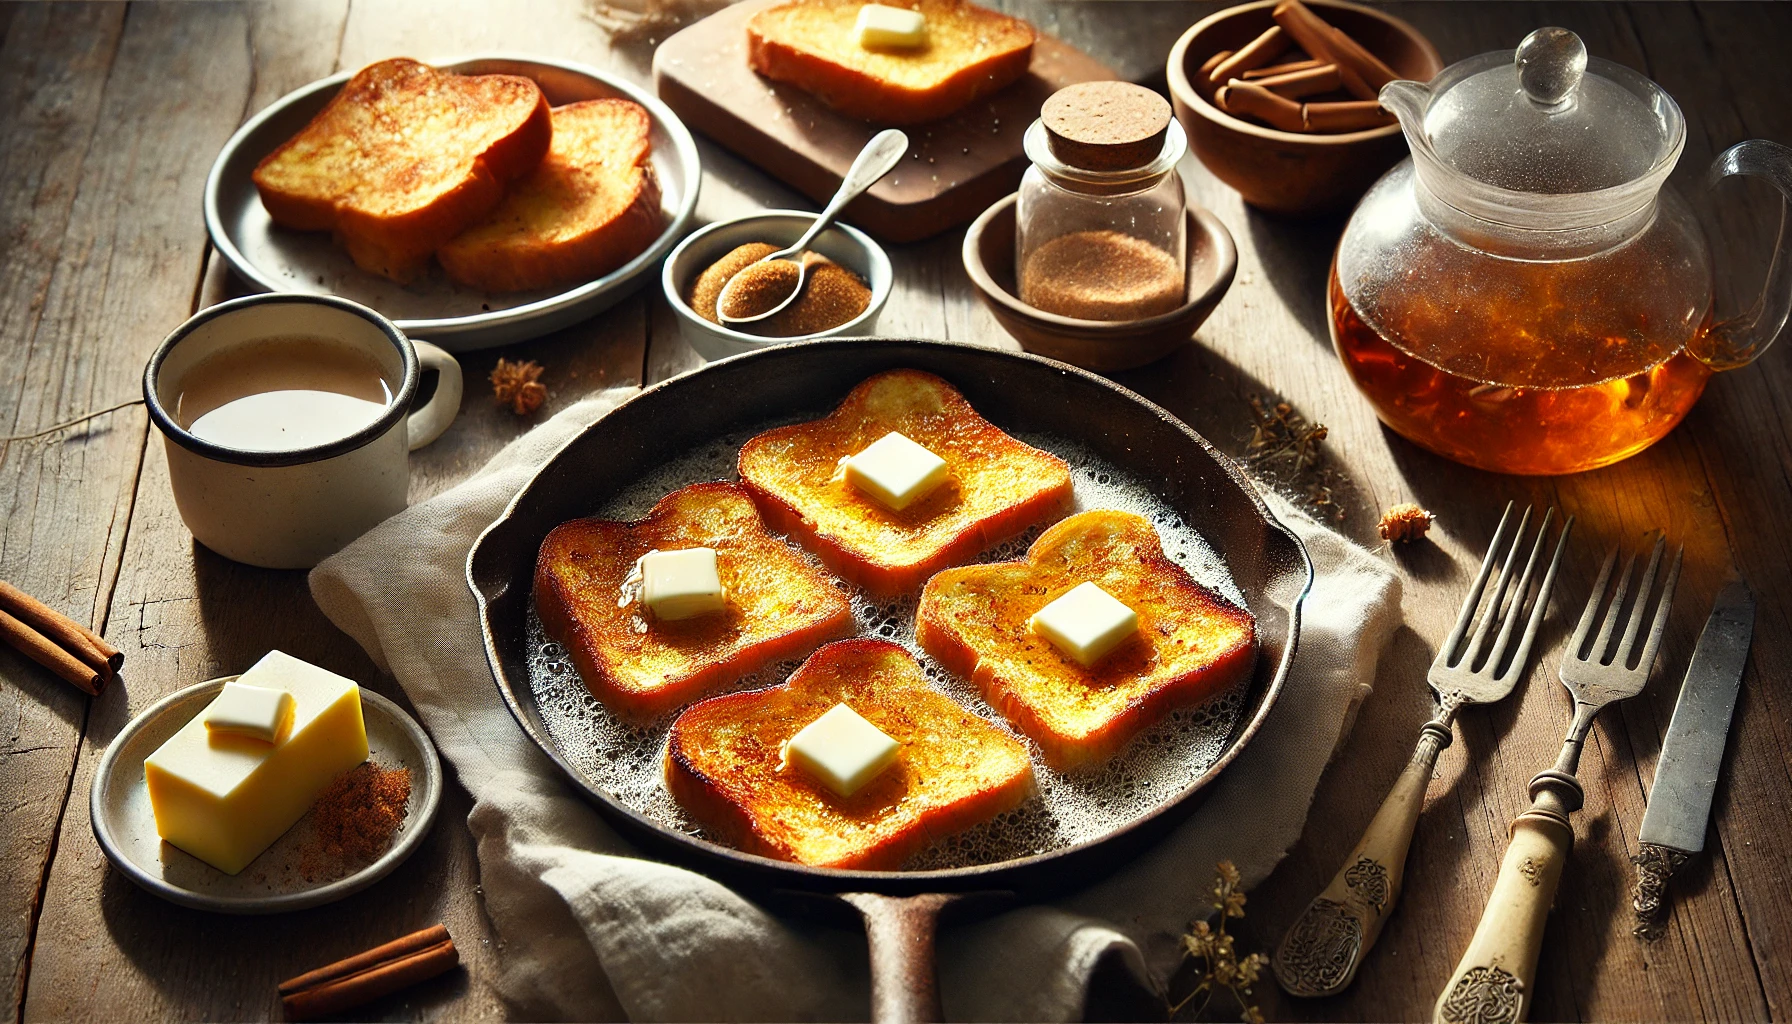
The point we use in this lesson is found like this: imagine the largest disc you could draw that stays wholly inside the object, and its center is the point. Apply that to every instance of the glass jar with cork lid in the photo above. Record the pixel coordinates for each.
(1101, 232)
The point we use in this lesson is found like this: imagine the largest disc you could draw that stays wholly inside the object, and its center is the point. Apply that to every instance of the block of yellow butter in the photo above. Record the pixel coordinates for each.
(225, 798)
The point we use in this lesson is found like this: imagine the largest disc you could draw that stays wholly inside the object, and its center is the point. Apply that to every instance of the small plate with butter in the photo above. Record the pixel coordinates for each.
(206, 753)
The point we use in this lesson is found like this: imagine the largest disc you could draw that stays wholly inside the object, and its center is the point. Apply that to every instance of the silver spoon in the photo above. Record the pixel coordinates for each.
(878, 157)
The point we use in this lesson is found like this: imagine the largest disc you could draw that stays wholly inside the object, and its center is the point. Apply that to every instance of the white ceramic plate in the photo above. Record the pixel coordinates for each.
(457, 318)
(125, 825)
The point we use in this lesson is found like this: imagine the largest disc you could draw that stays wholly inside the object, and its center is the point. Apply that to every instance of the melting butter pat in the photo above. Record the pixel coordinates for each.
(224, 798)
(882, 27)
(895, 471)
(841, 750)
(258, 712)
(1085, 623)
(681, 584)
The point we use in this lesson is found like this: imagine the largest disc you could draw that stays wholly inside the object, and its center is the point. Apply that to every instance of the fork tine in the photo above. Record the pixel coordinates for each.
(1609, 625)
(1661, 612)
(1447, 652)
(1577, 646)
(1539, 609)
(1519, 593)
(1472, 656)
(1644, 585)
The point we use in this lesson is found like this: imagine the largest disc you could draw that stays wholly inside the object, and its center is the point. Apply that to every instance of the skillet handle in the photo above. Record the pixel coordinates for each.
(900, 929)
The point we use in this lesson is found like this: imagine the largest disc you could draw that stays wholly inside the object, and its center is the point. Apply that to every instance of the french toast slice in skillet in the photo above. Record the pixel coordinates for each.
(724, 764)
(1191, 643)
(779, 605)
(997, 486)
(403, 158)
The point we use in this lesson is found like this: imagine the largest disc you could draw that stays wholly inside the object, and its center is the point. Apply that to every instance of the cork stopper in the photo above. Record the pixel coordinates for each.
(1105, 126)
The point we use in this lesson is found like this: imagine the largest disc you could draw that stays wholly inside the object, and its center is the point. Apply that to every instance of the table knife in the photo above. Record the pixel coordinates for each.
(1691, 755)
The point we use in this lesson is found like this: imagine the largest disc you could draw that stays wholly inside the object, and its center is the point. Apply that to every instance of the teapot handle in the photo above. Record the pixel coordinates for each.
(1738, 340)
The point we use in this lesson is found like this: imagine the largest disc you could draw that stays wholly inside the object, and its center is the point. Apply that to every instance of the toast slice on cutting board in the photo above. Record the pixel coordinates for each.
(970, 52)
(1190, 644)
(403, 158)
(724, 764)
(590, 206)
(778, 605)
(997, 486)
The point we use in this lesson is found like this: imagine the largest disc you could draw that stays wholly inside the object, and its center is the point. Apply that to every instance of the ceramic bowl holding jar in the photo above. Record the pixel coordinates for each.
(847, 246)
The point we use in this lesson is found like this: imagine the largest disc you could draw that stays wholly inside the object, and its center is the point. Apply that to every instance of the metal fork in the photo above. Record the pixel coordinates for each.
(1319, 955)
(1494, 980)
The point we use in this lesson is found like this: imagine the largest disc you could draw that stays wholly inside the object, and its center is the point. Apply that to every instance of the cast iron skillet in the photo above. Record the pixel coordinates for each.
(804, 380)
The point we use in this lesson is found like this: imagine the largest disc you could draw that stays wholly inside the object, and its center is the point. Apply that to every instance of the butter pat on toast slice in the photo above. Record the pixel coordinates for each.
(777, 604)
(996, 486)
(1190, 643)
(724, 764)
(592, 205)
(404, 158)
(969, 52)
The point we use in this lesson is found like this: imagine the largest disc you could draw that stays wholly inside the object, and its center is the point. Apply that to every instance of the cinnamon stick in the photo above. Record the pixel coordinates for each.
(1241, 97)
(367, 976)
(1256, 74)
(1320, 40)
(1254, 54)
(1308, 82)
(1351, 116)
(77, 639)
(46, 652)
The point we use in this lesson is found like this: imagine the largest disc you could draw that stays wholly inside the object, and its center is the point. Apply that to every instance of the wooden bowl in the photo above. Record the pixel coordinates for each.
(1293, 173)
(1100, 345)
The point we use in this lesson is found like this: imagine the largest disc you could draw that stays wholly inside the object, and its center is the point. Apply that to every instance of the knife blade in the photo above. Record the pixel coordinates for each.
(1693, 750)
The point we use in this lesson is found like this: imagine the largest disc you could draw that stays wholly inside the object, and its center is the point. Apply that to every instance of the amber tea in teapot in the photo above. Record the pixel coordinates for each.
(1525, 294)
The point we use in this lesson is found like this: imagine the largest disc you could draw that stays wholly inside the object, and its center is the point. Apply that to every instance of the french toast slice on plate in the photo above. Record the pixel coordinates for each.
(590, 206)
(970, 52)
(1190, 644)
(403, 158)
(778, 606)
(725, 766)
(997, 486)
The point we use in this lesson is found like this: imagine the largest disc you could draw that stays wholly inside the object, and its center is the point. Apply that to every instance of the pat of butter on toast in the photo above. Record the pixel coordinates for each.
(996, 486)
(723, 764)
(1190, 642)
(778, 605)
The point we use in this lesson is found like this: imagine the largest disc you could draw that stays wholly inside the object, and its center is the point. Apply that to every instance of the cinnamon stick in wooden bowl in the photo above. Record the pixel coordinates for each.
(1285, 145)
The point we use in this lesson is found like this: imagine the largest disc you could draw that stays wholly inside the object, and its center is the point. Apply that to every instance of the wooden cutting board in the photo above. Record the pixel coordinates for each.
(955, 169)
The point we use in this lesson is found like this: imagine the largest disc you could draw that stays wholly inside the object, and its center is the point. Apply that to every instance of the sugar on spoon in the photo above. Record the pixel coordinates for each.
(743, 298)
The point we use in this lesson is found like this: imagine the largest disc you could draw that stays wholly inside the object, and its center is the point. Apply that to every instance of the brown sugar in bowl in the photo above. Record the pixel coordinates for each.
(1100, 345)
(1293, 173)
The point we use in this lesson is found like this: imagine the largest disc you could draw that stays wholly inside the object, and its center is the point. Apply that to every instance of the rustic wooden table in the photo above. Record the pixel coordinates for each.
(110, 116)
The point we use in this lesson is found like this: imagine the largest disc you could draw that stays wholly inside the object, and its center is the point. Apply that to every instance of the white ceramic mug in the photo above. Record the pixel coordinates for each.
(291, 509)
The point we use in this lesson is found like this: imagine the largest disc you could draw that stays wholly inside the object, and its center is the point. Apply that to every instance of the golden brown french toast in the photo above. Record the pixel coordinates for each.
(997, 485)
(970, 52)
(778, 605)
(724, 764)
(591, 205)
(1191, 643)
(404, 158)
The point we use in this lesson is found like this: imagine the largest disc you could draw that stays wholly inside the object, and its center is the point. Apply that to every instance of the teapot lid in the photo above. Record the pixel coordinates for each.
(1546, 119)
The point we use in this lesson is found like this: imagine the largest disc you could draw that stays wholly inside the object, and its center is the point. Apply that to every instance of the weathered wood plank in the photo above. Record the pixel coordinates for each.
(65, 495)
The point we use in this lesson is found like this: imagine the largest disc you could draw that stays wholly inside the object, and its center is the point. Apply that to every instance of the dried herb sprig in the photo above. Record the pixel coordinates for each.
(1285, 448)
(1217, 956)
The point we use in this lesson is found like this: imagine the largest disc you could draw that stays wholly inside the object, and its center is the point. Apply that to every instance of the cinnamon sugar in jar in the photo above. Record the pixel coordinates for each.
(1101, 229)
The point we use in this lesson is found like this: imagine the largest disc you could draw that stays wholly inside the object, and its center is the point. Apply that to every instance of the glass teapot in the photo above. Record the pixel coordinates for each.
(1525, 293)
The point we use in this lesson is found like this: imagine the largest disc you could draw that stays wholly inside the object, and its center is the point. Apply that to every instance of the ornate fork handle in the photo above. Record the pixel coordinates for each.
(1320, 954)
(1493, 983)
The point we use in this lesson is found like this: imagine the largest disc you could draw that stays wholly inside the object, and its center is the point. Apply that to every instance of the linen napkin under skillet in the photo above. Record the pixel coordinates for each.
(592, 928)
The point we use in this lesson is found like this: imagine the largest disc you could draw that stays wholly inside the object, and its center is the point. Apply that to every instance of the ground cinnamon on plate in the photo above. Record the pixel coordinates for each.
(1101, 275)
(355, 820)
